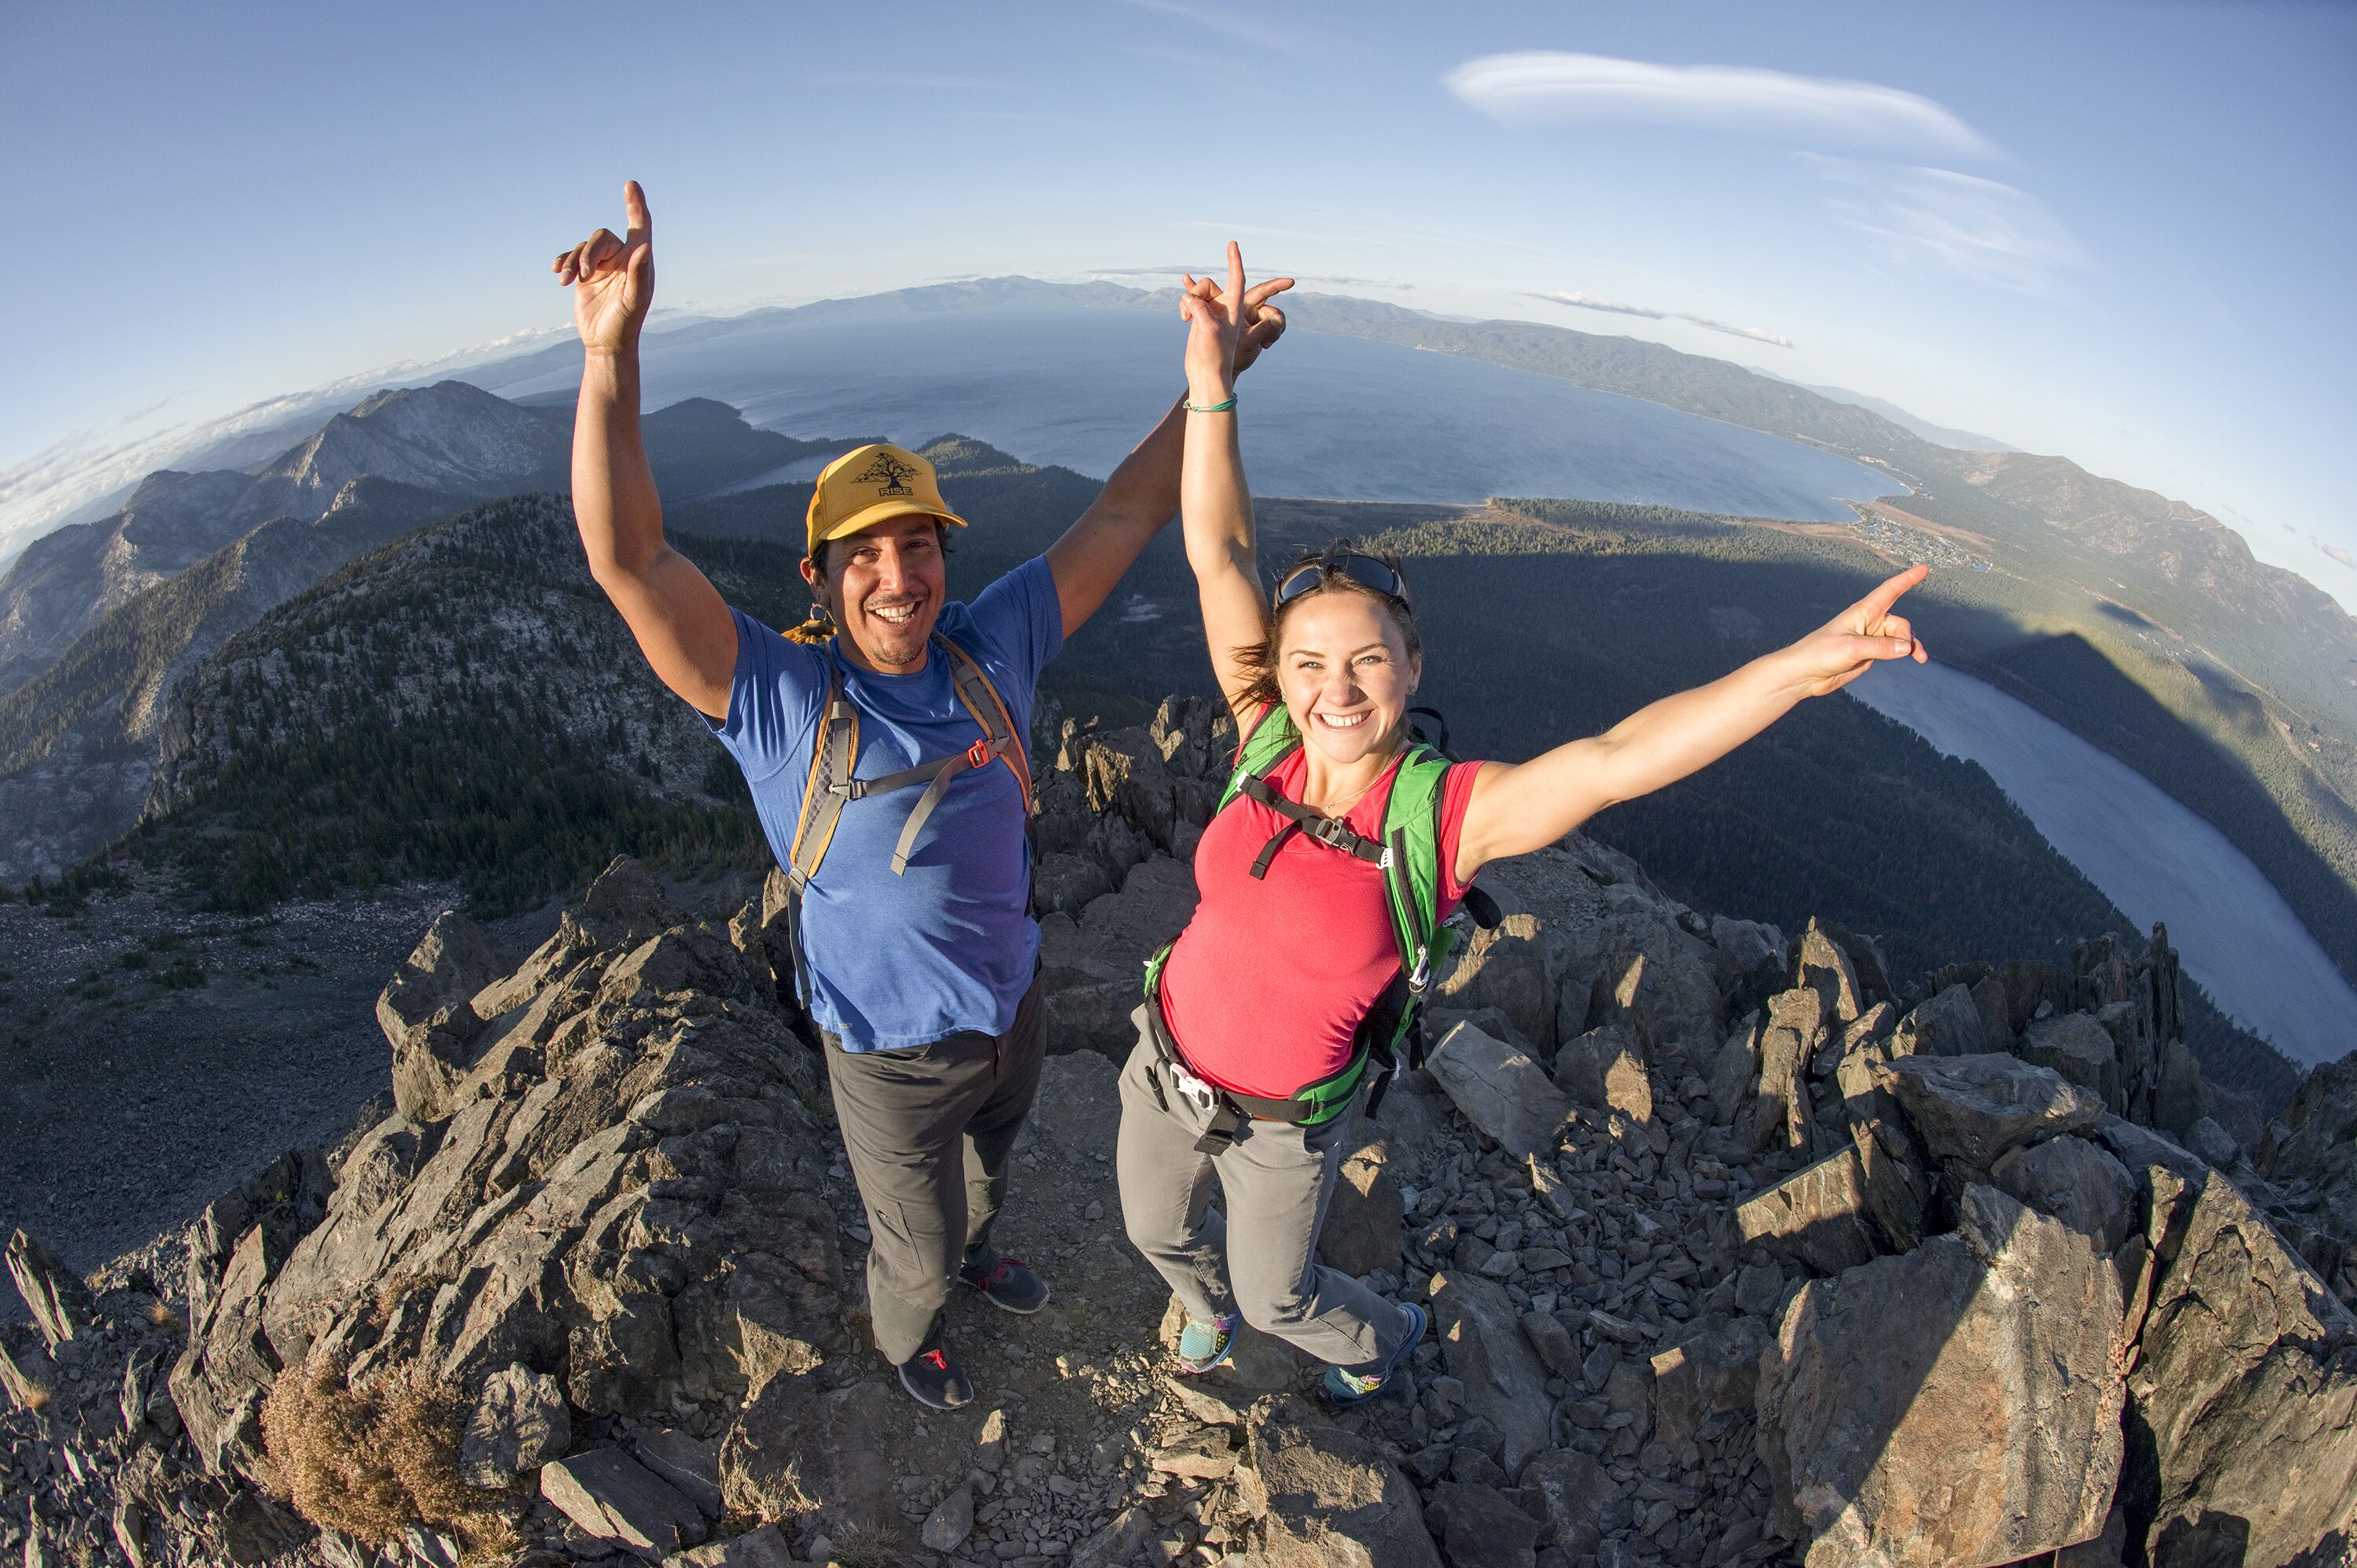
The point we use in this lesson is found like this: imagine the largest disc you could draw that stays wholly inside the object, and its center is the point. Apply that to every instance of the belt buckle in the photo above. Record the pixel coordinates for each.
(1193, 1088)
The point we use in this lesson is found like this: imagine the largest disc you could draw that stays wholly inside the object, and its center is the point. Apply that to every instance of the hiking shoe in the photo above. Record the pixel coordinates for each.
(1008, 1283)
(1203, 1345)
(1344, 1387)
(933, 1377)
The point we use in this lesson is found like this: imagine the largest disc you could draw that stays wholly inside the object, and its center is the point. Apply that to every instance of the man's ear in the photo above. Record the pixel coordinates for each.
(814, 578)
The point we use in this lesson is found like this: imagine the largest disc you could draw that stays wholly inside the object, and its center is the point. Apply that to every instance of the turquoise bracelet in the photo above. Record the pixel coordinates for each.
(1210, 407)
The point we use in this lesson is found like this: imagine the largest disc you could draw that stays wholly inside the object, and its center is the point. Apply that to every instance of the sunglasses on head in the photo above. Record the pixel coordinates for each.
(1364, 570)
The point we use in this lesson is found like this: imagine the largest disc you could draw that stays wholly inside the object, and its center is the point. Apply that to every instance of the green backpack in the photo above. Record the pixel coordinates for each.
(1409, 854)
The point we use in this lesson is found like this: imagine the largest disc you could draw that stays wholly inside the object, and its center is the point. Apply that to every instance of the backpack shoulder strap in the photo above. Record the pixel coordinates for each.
(991, 712)
(834, 752)
(1270, 741)
(1413, 874)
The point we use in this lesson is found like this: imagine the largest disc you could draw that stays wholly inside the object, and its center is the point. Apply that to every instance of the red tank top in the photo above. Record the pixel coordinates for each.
(1267, 984)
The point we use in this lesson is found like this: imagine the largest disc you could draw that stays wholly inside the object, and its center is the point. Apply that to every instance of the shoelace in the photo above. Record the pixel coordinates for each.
(940, 1362)
(998, 1270)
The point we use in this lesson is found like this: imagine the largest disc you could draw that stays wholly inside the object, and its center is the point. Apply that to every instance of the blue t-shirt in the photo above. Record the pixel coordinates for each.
(905, 960)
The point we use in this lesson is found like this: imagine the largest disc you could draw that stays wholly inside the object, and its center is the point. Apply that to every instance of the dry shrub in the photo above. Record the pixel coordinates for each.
(869, 1545)
(374, 1463)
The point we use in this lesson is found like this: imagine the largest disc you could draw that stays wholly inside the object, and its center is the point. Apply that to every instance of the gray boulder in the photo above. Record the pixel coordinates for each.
(1749, 960)
(1973, 1108)
(1506, 968)
(1325, 1496)
(1483, 1527)
(2244, 1395)
(2079, 1048)
(1481, 1340)
(1817, 1216)
(1667, 992)
(1573, 1490)
(614, 1499)
(1499, 1089)
(1956, 1404)
(61, 1304)
(1949, 1025)
(2213, 1144)
(2076, 1182)
(1736, 1073)
(1824, 966)
(1604, 1070)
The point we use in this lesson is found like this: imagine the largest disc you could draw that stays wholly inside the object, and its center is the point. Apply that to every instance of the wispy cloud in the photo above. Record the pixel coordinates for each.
(1981, 228)
(1244, 29)
(1616, 307)
(1543, 85)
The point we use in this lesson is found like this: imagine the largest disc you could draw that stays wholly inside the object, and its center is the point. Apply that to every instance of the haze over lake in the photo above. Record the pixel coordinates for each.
(2149, 855)
(1342, 418)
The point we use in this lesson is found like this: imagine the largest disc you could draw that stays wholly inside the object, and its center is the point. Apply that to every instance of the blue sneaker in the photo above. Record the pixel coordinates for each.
(1344, 1387)
(1203, 1345)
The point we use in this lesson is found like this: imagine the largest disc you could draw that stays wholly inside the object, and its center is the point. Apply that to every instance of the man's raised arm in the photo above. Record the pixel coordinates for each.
(1142, 495)
(679, 618)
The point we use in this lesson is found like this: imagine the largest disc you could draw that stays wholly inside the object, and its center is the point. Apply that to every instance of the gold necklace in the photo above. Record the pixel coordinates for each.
(1338, 812)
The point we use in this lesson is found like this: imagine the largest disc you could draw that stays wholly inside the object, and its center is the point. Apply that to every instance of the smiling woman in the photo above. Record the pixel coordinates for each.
(1341, 845)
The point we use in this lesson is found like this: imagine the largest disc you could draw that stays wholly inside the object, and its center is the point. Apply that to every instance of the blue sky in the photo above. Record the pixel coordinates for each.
(2118, 232)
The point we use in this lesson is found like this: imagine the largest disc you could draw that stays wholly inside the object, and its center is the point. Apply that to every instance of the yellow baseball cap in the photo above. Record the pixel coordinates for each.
(872, 483)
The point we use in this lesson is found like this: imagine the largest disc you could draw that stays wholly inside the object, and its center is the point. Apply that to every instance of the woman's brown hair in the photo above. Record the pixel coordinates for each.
(1259, 658)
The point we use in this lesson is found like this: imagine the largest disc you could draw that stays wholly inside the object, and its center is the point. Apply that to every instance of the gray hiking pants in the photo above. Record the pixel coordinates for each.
(1259, 1258)
(928, 1130)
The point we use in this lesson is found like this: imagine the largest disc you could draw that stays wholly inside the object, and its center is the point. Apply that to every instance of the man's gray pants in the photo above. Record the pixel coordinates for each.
(1259, 1258)
(928, 1130)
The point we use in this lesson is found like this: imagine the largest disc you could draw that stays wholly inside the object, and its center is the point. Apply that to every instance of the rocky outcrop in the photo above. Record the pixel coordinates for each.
(2244, 1428)
(1960, 1404)
(1855, 1280)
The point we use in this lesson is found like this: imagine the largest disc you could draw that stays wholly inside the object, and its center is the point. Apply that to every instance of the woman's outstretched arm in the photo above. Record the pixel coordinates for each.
(1214, 505)
(1520, 807)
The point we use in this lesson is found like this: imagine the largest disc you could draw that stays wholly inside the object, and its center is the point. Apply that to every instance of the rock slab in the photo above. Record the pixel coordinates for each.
(1956, 1404)
(1500, 1091)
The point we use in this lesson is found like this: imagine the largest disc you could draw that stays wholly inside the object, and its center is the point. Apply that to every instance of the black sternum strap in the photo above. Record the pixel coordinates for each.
(1332, 831)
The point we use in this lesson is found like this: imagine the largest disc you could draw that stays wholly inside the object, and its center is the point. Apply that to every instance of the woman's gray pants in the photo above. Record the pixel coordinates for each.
(1259, 1258)
(929, 1131)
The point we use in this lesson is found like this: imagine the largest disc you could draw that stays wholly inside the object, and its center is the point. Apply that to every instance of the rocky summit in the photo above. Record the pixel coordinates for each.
(1738, 1248)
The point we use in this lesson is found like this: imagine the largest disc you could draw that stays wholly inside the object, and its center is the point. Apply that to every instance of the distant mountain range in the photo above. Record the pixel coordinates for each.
(1940, 435)
(99, 620)
(102, 620)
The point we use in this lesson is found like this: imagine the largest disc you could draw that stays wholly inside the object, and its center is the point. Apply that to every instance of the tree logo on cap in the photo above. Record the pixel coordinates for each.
(887, 471)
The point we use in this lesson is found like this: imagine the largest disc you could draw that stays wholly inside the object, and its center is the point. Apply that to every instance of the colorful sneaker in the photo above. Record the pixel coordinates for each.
(1203, 1345)
(1008, 1283)
(933, 1377)
(1344, 1387)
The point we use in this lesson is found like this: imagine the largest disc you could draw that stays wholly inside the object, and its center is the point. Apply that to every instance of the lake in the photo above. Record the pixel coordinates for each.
(1342, 418)
(2150, 855)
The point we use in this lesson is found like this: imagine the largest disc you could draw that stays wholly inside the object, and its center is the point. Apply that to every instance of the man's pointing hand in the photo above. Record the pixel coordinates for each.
(613, 280)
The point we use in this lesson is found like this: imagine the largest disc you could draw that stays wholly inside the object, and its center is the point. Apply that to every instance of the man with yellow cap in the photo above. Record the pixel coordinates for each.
(883, 742)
